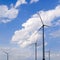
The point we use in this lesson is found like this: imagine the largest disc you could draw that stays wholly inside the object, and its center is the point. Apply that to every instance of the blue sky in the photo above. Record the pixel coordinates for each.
(19, 23)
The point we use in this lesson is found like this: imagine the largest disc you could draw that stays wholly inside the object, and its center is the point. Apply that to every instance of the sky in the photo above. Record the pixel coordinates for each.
(19, 25)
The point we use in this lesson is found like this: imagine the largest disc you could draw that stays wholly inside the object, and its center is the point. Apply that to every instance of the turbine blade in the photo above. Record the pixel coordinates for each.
(5, 52)
(40, 28)
(40, 18)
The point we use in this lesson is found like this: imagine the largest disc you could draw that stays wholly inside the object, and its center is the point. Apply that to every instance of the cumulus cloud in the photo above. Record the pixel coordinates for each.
(19, 2)
(6, 14)
(32, 1)
(28, 34)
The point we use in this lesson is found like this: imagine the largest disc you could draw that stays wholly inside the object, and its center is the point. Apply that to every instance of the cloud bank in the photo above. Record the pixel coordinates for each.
(28, 34)
(18, 54)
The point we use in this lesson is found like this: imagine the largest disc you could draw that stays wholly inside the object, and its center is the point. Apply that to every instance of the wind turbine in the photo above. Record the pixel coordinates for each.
(36, 44)
(43, 25)
(6, 54)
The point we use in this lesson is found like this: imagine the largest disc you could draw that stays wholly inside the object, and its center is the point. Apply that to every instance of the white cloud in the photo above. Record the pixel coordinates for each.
(12, 13)
(19, 2)
(32, 1)
(27, 35)
(7, 15)
(55, 34)
(32, 39)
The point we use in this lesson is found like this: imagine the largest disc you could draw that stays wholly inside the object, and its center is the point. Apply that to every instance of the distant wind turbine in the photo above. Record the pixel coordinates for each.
(49, 54)
(36, 44)
(6, 54)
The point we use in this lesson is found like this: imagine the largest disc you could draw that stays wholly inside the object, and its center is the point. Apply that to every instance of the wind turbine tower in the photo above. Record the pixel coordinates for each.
(36, 51)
